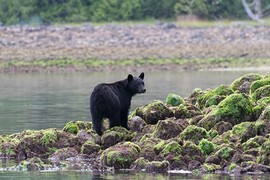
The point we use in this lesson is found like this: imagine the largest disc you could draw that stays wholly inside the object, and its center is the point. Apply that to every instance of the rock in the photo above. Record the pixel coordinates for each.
(210, 167)
(254, 142)
(62, 154)
(244, 131)
(90, 147)
(225, 153)
(139, 164)
(235, 109)
(33, 164)
(262, 92)
(206, 146)
(172, 148)
(194, 134)
(243, 83)
(222, 127)
(115, 135)
(120, 156)
(169, 128)
(212, 160)
(258, 84)
(157, 167)
(136, 124)
(153, 112)
(75, 126)
(174, 99)
(148, 148)
(191, 149)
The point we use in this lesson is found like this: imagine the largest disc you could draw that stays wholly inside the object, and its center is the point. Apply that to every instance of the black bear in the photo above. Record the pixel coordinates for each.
(112, 101)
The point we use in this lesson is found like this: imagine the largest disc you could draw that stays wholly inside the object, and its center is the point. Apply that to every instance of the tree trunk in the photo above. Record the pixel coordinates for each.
(257, 14)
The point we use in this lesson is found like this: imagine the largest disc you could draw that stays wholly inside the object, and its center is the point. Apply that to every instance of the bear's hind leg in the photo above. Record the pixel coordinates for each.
(124, 119)
(114, 120)
(97, 124)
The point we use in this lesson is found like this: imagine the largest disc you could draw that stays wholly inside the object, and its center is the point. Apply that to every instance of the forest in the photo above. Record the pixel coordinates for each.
(69, 11)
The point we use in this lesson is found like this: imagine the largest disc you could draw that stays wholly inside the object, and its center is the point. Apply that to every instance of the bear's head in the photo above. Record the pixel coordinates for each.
(136, 84)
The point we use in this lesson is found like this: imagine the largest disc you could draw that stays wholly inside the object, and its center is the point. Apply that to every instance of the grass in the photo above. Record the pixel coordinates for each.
(97, 63)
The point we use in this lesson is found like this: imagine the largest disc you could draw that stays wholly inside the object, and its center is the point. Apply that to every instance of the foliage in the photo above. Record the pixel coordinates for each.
(55, 11)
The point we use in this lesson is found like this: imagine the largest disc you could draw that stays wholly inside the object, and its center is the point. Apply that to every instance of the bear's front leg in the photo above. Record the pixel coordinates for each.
(124, 119)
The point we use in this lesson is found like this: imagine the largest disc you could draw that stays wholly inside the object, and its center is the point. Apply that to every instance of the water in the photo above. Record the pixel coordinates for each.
(39, 101)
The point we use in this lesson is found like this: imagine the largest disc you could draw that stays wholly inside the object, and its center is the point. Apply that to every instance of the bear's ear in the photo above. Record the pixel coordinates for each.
(141, 75)
(130, 77)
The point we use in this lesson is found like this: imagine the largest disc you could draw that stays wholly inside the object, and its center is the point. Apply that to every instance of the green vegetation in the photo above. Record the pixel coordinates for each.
(48, 11)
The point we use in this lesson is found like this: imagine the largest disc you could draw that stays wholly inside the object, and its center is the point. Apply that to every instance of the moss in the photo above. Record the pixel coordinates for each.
(120, 156)
(33, 164)
(213, 97)
(172, 148)
(49, 136)
(90, 147)
(266, 113)
(153, 112)
(213, 133)
(259, 83)
(225, 153)
(210, 167)
(74, 126)
(244, 130)
(206, 146)
(242, 84)
(234, 109)
(159, 147)
(232, 166)
(258, 109)
(264, 100)
(174, 100)
(191, 149)
(251, 143)
(261, 92)
(157, 167)
(194, 133)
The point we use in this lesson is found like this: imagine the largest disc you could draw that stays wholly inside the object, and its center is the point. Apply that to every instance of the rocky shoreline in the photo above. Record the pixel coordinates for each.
(129, 42)
(221, 130)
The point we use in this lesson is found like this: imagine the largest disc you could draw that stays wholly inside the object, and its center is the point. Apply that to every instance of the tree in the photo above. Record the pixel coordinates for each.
(254, 9)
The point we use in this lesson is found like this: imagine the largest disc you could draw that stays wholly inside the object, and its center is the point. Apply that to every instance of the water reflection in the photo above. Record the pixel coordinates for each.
(39, 101)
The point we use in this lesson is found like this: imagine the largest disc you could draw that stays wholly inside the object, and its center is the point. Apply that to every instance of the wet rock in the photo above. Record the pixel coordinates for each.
(74, 126)
(186, 110)
(225, 153)
(212, 160)
(194, 134)
(139, 164)
(210, 167)
(243, 83)
(136, 124)
(148, 148)
(262, 92)
(62, 154)
(85, 135)
(153, 112)
(244, 131)
(206, 146)
(254, 142)
(174, 99)
(33, 164)
(191, 150)
(213, 97)
(169, 128)
(235, 109)
(157, 167)
(115, 135)
(172, 148)
(258, 84)
(90, 147)
(222, 127)
(120, 156)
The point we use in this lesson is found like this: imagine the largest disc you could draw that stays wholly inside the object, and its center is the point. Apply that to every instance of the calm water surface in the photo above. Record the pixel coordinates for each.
(39, 101)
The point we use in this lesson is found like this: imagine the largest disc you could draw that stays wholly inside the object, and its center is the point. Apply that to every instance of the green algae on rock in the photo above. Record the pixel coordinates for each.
(194, 134)
(153, 112)
(259, 83)
(234, 109)
(120, 156)
(174, 99)
(262, 92)
(75, 126)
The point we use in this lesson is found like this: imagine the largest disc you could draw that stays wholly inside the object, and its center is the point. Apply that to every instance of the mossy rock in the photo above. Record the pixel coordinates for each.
(115, 135)
(153, 112)
(210, 167)
(194, 95)
(169, 128)
(258, 84)
(266, 113)
(235, 109)
(120, 156)
(213, 97)
(32, 164)
(172, 148)
(174, 99)
(264, 153)
(206, 146)
(194, 133)
(149, 148)
(191, 149)
(157, 167)
(243, 83)
(261, 92)
(90, 147)
(222, 127)
(186, 110)
(139, 164)
(258, 109)
(62, 154)
(244, 131)
(264, 100)
(254, 142)
(74, 126)
(225, 152)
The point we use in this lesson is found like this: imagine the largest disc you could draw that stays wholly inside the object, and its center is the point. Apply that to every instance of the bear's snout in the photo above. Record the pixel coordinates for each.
(143, 91)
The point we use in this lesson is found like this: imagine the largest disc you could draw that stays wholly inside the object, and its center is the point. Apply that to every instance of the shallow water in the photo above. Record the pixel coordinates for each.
(39, 101)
